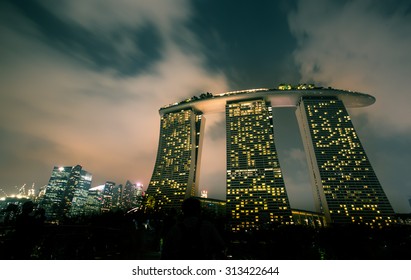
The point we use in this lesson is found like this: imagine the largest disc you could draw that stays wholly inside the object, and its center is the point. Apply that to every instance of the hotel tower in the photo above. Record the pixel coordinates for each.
(177, 165)
(345, 187)
(256, 194)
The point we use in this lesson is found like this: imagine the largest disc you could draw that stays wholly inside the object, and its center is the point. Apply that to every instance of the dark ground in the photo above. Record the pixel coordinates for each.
(115, 236)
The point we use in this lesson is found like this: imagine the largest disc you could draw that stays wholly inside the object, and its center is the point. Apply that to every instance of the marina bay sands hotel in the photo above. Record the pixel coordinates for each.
(345, 187)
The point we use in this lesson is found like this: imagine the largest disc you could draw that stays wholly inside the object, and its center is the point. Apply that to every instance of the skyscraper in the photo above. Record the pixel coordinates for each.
(107, 202)
(177, 165)
(61, 189)
(80, 194)
(345, 186)
(94, 200)
(256, 195)
(117, 196)
(132, 196)
(52, 200)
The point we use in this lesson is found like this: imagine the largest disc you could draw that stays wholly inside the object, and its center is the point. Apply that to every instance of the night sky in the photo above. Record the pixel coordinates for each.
(81, 82)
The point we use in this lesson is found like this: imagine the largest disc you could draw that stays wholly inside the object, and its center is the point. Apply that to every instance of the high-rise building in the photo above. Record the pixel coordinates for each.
(60, 191)
(107, 202)
(80, 194)
(132, 196)
(117, 196)
(256, 194)
(94, 200)
(345, 186)
(54, 193)
(177, 165)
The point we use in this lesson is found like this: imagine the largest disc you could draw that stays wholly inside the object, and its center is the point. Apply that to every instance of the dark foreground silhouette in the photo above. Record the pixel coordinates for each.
(193, 238)
(143, 236)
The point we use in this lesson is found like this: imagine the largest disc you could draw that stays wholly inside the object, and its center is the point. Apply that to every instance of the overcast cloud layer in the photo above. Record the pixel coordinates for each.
(81, 82)
(61, 111)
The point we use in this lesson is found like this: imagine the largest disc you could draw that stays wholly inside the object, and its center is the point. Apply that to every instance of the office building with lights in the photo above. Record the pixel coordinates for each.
(345, 187)
(64, 183)
(107, 198)
(117, 196)
(94, 200)
(256, 195)
(177, 165)
(132, 196)
(80, 194)
(344, 183)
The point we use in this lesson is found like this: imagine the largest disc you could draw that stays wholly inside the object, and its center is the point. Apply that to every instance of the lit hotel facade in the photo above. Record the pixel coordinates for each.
(256, 194)
(345, 187)
(175, 174)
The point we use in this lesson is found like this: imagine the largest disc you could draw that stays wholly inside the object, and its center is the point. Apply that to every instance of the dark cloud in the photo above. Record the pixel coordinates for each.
(128, 50)
(360, 46)
(248, 41)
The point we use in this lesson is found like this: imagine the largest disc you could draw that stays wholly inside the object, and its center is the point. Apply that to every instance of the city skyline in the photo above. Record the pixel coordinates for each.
(84, 86)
